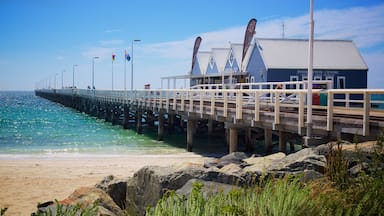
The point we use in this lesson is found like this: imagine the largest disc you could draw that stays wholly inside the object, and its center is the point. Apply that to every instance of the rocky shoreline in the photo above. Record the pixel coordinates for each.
(133, 195)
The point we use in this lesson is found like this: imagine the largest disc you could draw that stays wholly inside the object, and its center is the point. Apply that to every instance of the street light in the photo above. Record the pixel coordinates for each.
(55, 81)
(62, 78)
(132, 63)
(310, 74)
(93, 71)
(73, 75)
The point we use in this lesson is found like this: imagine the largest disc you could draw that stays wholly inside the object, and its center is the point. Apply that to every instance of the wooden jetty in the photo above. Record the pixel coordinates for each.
(251, 107)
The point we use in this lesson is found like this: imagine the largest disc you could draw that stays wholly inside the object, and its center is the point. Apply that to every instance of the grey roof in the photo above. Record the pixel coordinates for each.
(203, 58)
(220, 56)
(293, 53)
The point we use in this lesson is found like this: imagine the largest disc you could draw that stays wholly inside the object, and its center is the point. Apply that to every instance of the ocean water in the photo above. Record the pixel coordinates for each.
(32, 125)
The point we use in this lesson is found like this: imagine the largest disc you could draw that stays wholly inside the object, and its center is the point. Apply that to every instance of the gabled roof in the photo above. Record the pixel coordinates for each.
(203, 59)
(237, 50)
(220, 56)
(293, 53)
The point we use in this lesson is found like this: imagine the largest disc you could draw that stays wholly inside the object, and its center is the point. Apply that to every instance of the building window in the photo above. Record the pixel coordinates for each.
(252, 79)
(304, 78)
(318, 78)
(293, 79)
(341, 82)
(330, 78)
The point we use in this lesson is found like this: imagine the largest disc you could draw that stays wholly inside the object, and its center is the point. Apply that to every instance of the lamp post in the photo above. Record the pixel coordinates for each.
(132, 63)
(310, 74)
(93, 71)
(62, 79)
(73, 75)
(55, 81)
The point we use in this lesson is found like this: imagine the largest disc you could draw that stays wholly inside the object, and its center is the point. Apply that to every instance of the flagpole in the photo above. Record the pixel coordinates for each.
(125, 70)
(112, 72)
(310, 74)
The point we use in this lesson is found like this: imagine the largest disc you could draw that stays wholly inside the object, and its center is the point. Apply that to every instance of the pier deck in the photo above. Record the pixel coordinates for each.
(280, 110)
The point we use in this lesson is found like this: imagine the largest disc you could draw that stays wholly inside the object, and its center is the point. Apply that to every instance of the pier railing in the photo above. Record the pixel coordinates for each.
(356, 103)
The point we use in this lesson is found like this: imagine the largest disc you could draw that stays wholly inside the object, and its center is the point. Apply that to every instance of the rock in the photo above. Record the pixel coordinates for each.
(211, 163)
(150, 183)
(266, 159)
(355, 170)
(115, 188)
(234, 157)
(261, 164)
(86, 196)
(209, 188)
(305, 159)
(231, 169)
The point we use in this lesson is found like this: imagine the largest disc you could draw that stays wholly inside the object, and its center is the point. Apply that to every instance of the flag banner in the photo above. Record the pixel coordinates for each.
(127, 56)
(113, 57)
(195, 49)
(249, 32)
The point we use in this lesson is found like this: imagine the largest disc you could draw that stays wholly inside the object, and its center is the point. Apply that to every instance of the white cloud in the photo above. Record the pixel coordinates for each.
(363, 25)
(100, 52)
(59, 58)
(112, 30)
(376, 66)
(111, 42)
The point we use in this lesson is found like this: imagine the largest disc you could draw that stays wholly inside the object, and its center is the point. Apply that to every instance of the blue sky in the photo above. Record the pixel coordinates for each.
(41, 38)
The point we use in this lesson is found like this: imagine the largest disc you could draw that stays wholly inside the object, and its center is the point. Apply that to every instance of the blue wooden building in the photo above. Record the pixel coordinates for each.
(275, 60)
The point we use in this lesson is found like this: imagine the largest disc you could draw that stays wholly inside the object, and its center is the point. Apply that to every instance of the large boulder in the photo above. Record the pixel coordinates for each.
(150, 183)
(86, 197)
(115, 188)
(209, 188)
(305, 159)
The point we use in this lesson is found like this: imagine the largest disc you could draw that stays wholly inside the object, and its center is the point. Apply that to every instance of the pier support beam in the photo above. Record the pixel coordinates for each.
(115, 114)
(282, 141)
(190, 131)
(139, 127)
(210, 127)
(268, 140)
(160, 127)
(248, 137)
(126, 116)
(233, 140)
(171, 123)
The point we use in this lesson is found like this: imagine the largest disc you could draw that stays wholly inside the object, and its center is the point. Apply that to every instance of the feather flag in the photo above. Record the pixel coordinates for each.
(127, 56)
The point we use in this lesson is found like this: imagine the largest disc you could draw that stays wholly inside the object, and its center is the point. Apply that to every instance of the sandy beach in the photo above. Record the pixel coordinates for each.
(28, 180)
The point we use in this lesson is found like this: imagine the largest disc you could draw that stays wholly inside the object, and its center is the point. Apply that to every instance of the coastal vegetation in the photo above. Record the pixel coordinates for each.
(351, 183)
(338, 193)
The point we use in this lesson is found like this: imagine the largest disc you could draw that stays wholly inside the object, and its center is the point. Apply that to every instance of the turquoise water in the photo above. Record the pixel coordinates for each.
(32, 125)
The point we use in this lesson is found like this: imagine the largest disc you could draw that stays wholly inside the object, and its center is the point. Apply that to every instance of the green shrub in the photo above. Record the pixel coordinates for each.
(64, 210)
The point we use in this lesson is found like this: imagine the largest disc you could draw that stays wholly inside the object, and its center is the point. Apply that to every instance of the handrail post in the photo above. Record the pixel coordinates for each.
(257, 107)
(301, 113)
(239, 104)
(276, 109)
(213, 103)
(225, 105)
(367, 108)
(330, 111)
